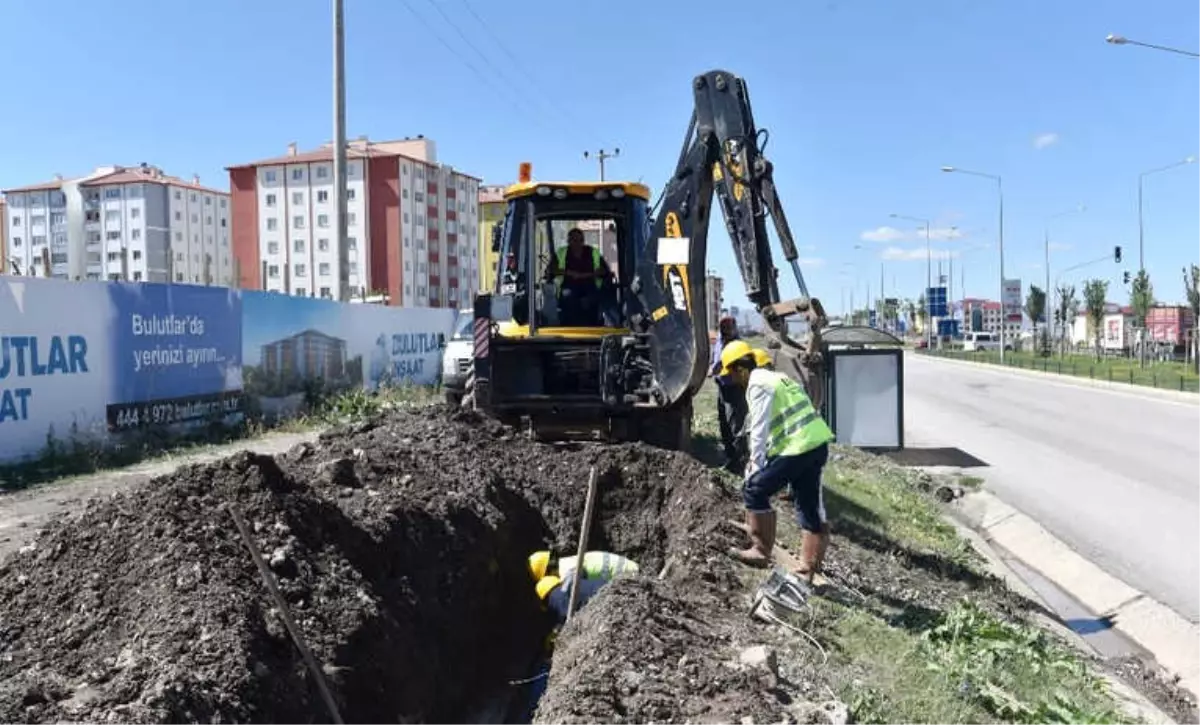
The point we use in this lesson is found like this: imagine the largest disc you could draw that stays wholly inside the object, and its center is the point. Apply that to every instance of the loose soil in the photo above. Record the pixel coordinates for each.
(400, 545)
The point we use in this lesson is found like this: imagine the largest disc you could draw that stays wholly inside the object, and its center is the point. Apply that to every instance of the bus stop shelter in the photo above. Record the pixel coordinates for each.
(864, 396)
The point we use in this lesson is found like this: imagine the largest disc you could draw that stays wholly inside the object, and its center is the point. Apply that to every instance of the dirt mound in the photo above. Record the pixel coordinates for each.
(400, 546)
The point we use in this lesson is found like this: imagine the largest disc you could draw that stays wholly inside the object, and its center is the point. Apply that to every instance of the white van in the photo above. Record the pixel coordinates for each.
(973, 341)
(458, 357)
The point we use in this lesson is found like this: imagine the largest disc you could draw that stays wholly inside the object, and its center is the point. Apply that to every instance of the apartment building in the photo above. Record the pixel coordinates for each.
(411, 225)
(491, 213)
(5, 267)
(118, 223)
(714, 299)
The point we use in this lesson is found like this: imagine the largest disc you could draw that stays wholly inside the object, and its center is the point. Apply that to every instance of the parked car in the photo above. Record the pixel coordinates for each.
(458, 357)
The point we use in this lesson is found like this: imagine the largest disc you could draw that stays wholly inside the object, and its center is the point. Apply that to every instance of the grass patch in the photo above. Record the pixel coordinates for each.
(972, 482)
(75, 454)
(932, 638)
(1165, 375)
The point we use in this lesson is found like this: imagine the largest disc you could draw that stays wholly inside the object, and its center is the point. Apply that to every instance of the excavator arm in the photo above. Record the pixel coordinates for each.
(722, 158)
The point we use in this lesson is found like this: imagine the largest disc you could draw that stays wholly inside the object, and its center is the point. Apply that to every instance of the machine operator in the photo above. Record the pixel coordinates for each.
(581, 273)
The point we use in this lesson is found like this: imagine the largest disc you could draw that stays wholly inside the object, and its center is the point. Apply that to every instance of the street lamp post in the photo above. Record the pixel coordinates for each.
(928, 274)
(1000, 196)
(1122, 40)
(1049, 293)
(1141, 226)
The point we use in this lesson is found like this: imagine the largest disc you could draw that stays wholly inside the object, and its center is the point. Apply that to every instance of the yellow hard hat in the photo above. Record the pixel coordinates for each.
(545, 585)
(762, 358)
(539, 561)
(733, 352)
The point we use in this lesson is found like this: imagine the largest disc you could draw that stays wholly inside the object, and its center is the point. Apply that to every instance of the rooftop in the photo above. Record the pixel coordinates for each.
(142, 174)
(359, 148)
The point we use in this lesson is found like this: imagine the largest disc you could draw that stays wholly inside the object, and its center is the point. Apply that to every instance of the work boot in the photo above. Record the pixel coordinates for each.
(762, 540)
(812, 550)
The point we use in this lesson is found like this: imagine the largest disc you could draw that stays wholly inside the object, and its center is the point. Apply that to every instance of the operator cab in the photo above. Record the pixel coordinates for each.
(578, 242)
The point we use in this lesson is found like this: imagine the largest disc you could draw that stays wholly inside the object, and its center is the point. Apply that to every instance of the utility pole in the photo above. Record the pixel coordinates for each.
(602, 156)
(339, 148)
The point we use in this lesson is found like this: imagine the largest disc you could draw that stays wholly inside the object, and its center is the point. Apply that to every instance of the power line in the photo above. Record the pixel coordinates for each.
(533, 83)
(474, 70)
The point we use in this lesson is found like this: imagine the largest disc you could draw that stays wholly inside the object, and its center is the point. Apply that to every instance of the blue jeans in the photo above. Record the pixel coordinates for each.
(803, 474)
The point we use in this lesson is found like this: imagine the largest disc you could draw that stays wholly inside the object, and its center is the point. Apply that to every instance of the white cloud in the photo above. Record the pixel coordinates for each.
(916, 254)
(883, 234)
(892, 234)
(1044, 140)
(810, 261)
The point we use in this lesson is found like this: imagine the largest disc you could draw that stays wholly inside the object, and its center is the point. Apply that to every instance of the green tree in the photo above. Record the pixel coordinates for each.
(1068, 305)
(1035, 306)
(1095, 298)
(1141, 299)
(1191, 285)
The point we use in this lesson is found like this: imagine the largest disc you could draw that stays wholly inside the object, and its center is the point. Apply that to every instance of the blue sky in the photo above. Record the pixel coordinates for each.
(864, 99)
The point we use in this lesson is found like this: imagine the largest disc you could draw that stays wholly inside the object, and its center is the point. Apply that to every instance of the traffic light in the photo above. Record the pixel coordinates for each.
(1117, 253)
(1126, 278)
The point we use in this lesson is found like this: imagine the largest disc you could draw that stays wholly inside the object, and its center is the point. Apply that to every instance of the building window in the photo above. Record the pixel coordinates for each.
(323, 269)
(179, 236)
(351, 219)
(298, 246)
(110, 236)
(195, 219)
(208, 201)
(301, 270)
(418, 196)
(301, 292)
(350, 194)
(323, 220)
(223, 203)
(407, 242)
(272, 224)
(137, 276)
(136, 234)
(112, 193)
(322, 245)
(134, 213)
(16, 241)
(297, 174)
(270, 200)
(297, 197)
(192, 196)
(109, 217)
(354, 268)
(420, 220)
(208, 219)
(404, 193)
(223, 221)
(325, 293)
(322, 196)
(137, 254)
(351, 244)
(298, 222)
(272, 247)
(352, 169)
(273, 270)
(269, 176)
(178, 194)
(406, 217)
(322, 172)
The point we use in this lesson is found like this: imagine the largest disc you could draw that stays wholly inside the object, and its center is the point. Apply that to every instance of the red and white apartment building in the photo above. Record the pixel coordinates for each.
(412, 225)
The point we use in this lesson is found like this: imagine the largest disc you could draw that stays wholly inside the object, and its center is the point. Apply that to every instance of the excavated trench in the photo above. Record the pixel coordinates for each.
(400, 547)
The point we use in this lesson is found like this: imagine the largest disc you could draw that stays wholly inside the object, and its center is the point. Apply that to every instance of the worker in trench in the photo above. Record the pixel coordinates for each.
(788, 446)
(554, 592)
(731, 403)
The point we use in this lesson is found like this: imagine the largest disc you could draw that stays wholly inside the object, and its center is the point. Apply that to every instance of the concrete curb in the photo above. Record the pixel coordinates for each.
(1172, 640)
(1141, 390)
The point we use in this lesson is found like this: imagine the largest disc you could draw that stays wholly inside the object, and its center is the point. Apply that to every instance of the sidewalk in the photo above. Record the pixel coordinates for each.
(23, 512)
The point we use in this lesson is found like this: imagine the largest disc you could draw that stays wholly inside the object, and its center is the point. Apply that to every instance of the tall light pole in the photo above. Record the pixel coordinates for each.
(1122, 40)
(339, 148)
(1000, 196)
(928, 274)
(1141, 226)
(1049, 293)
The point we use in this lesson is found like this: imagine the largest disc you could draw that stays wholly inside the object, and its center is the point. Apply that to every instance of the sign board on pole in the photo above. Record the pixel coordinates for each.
(1012, 300)
(936, 297)
(872, 319)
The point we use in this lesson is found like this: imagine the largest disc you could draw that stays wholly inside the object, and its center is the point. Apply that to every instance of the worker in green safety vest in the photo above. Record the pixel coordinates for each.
(788, 445)
(596, 565)
(579, 271)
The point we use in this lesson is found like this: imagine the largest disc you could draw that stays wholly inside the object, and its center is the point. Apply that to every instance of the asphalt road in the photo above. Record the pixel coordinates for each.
(1114, 475)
